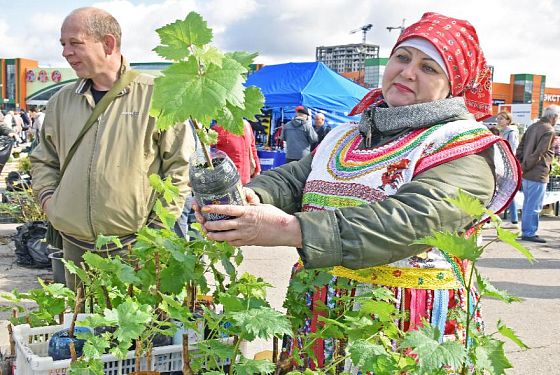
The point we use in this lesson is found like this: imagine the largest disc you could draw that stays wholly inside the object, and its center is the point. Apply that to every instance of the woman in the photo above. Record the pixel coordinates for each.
(372, 188)
(510, 133)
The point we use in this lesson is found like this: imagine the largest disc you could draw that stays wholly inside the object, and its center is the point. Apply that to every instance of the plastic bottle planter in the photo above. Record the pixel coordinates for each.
(59, 344)
(220, 185)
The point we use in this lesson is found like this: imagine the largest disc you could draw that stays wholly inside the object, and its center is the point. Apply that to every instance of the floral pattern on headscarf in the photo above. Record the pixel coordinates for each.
(457, 42)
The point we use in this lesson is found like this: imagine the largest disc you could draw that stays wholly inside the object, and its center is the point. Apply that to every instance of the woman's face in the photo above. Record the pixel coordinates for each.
(502, 121)
(412, 77)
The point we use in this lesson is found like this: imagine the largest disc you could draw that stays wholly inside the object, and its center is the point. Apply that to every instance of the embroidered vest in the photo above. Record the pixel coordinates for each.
(344, 175)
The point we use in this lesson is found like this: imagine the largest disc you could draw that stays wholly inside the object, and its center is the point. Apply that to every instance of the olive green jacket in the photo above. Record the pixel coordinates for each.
(105, 188)
(381, 232)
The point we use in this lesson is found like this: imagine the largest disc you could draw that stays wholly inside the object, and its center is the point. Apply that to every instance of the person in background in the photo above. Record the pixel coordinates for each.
(321, 128)
(535, 155)
(105, 188)
(241, 149)
(371, 189)
(298, 135)
(26, 125)
(510, 133)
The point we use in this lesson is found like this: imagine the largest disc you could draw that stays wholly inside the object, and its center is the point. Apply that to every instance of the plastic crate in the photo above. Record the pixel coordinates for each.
(32, 357)
(553, 183)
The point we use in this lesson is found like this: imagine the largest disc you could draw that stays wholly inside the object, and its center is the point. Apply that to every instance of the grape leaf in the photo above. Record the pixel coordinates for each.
(231, 117)
(186, 91)
(177, 37)
(102, 240)
(510, 334)
(454, 244)
(263, 322)
(488, 290)
(254, 366)
(469, 204)
(431, 353)
(242, 57)
(209, 55)
(368, 356)
(510, 238)
(490, 355)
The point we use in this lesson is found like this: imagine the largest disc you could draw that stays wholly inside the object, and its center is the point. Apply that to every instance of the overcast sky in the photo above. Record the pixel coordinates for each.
(517, 36)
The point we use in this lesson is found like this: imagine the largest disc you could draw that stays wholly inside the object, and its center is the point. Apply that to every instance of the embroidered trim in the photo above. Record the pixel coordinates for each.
(419, 278)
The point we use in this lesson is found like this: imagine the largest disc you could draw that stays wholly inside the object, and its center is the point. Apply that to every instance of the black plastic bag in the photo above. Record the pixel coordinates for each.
(16, 181)
(31, 248)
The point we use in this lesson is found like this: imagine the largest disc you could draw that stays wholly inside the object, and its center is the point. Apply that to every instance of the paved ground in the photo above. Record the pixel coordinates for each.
(535, 319)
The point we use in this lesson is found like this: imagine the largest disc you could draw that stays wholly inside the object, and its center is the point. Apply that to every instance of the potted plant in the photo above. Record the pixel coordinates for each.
(202, 85)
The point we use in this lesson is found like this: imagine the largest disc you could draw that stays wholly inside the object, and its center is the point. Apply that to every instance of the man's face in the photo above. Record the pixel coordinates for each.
(319, 121)
(84, 54)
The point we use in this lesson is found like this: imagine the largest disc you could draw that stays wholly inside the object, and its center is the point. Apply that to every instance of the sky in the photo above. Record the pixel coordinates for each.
(517, 36)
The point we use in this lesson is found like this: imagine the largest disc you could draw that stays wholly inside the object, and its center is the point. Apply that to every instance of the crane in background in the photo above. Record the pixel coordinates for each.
(364, 29)
(401, 27)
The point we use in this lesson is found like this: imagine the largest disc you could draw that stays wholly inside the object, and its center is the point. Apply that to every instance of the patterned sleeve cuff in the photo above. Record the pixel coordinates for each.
(44, 196)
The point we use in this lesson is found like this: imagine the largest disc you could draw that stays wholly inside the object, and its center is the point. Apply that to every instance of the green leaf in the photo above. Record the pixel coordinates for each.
(367, 357)
(510, 238)
(510, 334)
(132, 319)
(102, 241)
(163, 214)
(253, 366)
(177, 37)
(454, 244)
(469, 204)
(488, 290)
(209, 55)
(243, 58)
(489, 355)
(207, 136)
(431, 354)
(75, 270)
(184, 91)
(263, 322)
(231, 116)
(383, 310)
(175, 276)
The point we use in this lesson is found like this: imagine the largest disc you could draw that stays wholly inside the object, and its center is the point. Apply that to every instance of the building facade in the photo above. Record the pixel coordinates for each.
(348, 57)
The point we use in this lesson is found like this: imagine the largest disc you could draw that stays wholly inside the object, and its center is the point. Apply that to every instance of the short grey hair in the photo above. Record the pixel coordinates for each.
(98, 23)
(551, 111)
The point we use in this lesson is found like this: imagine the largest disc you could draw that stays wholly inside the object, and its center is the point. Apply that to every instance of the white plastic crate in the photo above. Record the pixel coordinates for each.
(32, 357)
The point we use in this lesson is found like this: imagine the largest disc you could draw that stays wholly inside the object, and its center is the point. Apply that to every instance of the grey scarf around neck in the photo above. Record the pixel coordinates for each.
(379, 121)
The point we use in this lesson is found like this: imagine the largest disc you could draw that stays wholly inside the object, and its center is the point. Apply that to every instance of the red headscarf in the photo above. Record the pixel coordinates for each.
(457, 42)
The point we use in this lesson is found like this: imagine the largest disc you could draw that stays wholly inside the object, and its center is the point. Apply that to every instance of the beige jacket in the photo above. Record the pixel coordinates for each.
(105, 188)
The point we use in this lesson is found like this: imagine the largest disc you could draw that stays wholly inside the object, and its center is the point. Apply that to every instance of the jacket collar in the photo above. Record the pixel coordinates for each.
(84, 84)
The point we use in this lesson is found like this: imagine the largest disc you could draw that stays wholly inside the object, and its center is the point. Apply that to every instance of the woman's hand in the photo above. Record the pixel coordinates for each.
(256, 224)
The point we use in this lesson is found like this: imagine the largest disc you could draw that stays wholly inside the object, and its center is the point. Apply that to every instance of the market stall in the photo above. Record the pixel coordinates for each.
(311, 84)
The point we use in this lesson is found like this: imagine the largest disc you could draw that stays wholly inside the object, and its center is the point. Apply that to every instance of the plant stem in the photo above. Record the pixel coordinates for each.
(236, 343)
(187, 370)
(137, 355)
(77, 306)
(207, 156)
(12, 341)
(73, 355)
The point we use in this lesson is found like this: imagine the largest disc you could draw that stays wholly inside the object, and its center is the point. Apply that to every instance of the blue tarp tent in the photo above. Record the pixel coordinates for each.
(312, 84)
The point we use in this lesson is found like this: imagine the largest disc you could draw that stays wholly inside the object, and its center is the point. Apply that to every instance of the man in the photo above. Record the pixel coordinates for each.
(298, 135)
(320, 128)
(535, 154)
(105, 188)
